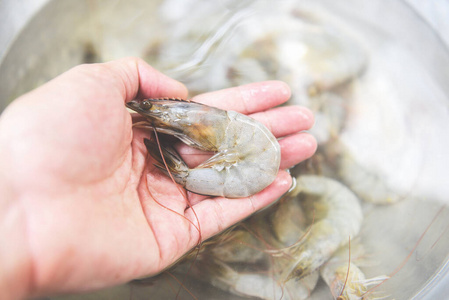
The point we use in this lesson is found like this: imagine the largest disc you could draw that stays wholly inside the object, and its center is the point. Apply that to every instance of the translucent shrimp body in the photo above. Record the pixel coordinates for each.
(348, 282)
(247, 156)
(337, 217)
(346, 286)
(239, 261)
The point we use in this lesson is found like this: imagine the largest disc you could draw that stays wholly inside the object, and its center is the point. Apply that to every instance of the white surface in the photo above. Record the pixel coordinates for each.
(436, 14)
(14, 15)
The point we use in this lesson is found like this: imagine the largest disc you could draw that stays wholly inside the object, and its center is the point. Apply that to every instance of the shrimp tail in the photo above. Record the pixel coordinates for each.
(175, 164)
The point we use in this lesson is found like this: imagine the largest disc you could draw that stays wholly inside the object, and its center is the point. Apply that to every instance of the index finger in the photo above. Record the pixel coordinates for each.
(249, 98)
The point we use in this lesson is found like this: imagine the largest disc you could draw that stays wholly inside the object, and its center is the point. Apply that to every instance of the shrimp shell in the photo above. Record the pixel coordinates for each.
(338, 217)
(247, 157)
(348, 282)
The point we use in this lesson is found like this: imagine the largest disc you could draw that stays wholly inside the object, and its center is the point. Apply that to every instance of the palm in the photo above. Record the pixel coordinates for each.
(98, 200)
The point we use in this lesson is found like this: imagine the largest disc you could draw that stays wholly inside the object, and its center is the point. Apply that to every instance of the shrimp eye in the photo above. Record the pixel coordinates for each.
(145, 105)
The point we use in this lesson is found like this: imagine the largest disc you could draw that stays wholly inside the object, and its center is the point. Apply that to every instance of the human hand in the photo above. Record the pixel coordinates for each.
(75, 176)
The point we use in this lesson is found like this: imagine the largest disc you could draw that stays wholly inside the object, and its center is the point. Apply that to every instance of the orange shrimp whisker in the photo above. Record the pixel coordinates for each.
(181, 284)
(407, 258)
(347, 272)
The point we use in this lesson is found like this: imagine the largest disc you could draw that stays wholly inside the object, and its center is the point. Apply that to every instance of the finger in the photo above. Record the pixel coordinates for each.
(282, 121)
(296, 148)
(139, 80)
(286, 120)
(217, 214)
(248, 98)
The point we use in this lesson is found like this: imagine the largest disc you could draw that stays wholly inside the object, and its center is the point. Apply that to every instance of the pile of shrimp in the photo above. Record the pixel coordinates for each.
(312, 235)
(281, 252)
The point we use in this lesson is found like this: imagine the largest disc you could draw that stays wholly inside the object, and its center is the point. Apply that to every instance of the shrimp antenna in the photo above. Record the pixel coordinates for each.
(340, 297)
(198, 228)
(181, 283)
(395, 271)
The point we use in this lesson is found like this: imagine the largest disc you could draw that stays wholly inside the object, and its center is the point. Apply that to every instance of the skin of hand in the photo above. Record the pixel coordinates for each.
(75, 209)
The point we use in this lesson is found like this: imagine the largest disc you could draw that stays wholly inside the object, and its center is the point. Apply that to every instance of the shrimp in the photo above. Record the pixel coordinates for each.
(287, 221)
(338, 216)
(293, 253)
(348, 282)
(262, 287)
(247, 282)
(240, 262)
(247, 157)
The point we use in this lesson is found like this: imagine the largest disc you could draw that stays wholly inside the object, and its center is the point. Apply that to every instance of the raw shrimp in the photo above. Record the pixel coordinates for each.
(263, 287)
(294, 252)
(251, 283)
(288, 42)
(247, 157)
(287, 221)
(240, 262)
(369, 184)
(347, 282)
(310, 58)
(337, 216)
